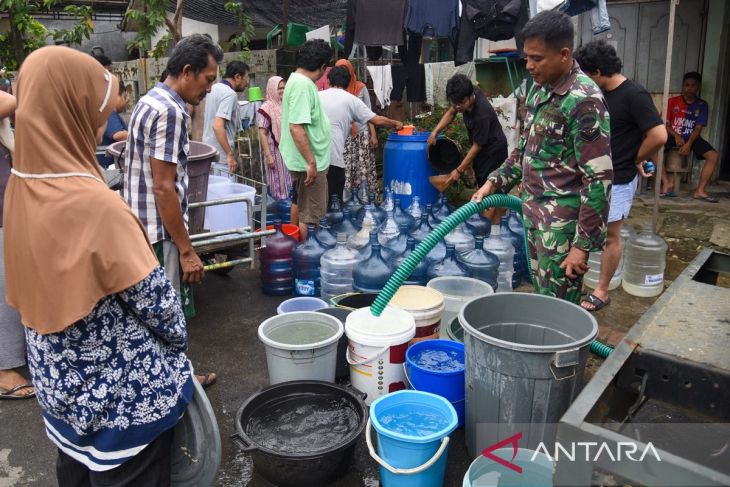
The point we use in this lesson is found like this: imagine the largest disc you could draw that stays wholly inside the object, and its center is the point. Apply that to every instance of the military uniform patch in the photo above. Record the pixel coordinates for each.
(588, 126)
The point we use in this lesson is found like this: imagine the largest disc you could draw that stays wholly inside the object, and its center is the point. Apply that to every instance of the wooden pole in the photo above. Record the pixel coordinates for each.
(285, 24)
(665, 100)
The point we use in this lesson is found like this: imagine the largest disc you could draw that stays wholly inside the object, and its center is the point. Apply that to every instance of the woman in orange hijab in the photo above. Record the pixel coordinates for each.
(105, 333)
(359, 147)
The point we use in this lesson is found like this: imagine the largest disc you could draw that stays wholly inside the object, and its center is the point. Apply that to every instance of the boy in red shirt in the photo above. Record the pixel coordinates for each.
(686, 117)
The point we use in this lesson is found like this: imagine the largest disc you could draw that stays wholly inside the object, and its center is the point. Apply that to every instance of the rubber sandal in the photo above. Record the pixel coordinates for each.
(12, 394)
(597, 302)
(668, 194)
(208, 380)
(707, 199)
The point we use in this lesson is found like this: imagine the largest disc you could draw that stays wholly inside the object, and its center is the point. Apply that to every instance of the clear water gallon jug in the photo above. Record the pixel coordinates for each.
(324, 235)
(449, 266)
(505, 252)
(369, 276)
(415, 209)
(366, 250)
(277, 263)
(423, 228)
(388, 201)
(461, 240)
(306, 265)
(419, 276)
(388, 230)
(518, 243)
(368, 213)
(480, 264)
(645, 258)
(441, 210)
(362, 237)
(593, 274)
(336, 267)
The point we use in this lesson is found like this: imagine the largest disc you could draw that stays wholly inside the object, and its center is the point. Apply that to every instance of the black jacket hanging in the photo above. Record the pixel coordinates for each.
(496, 20)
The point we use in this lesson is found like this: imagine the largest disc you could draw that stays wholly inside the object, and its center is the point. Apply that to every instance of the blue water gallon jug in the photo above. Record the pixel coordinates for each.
(402, 216)
(478, 225)
(396, 246)
(419, 276)
(285, 208)
(345, 226)
(369, 276)
(334, 211)
(277, 263)
(441, 210)
(324, 234)
(415, 209)
(388, 230)
(366, 250)
(307, 257)
(449, 266)
(388, 201)
(423, 229)
(480, 264)
(406, 168)
(516, 226)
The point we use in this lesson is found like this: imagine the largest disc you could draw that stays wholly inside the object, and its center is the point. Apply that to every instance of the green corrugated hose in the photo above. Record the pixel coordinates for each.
(438, 233)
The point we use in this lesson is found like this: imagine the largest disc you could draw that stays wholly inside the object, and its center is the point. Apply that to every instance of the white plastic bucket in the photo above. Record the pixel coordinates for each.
(303, 360)
(426, 305)
(377, 350)
(231, 215)
(457, 291)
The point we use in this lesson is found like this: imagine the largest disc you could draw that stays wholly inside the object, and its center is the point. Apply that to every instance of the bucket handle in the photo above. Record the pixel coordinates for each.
(412, 387)
(242, 444)
(351, 361)
(564, 359)
(403, 471)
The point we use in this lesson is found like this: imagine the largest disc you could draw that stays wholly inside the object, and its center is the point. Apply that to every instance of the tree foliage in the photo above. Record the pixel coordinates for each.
(27, 34)
(241, 41)
(149, 20)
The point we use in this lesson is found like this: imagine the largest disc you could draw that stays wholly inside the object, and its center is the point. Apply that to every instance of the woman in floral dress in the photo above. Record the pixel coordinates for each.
(106, 336)
(268, 120)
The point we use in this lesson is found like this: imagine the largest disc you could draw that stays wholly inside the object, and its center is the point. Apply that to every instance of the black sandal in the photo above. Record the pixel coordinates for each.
(597, 302)
(208, 379)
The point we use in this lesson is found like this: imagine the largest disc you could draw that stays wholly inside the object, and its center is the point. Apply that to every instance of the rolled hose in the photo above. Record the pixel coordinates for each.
(422, 249)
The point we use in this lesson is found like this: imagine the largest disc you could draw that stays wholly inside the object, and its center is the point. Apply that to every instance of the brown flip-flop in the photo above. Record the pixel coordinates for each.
(12, 394)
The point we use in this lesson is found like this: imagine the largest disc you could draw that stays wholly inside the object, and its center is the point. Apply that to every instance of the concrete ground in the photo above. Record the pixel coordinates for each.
(223, 339)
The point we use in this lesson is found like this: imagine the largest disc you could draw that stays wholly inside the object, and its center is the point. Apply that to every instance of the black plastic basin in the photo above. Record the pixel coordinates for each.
(269, 426)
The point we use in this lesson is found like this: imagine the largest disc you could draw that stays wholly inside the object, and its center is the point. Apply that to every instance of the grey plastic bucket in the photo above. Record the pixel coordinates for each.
(525, 358)
(343, 369)
(308, 360)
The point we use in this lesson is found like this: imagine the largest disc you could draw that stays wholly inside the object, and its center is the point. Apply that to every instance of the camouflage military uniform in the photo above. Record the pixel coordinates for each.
(563, 160)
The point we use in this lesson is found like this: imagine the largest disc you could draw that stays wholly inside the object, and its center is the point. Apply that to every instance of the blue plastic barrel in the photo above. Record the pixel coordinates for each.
(433, 377)
(406, 168)
(413, 442)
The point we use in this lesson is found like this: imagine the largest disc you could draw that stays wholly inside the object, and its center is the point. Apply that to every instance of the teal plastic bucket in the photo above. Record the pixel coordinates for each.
(485, 472)
(413, 441)
(438, 372)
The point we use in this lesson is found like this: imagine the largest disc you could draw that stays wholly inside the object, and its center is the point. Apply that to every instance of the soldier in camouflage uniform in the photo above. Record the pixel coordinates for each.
(563, 160)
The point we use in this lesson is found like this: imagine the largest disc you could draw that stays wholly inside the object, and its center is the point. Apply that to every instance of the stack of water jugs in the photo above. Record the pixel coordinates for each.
(359, 244)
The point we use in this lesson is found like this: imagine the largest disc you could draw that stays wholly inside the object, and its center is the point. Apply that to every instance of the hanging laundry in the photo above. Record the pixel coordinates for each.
(400, 78)
(537, 6)
(438, 74)
(577, 7)
(382, 83)
(600, 21)
(495, 20)
(433, 18)
(379, 22)
(412, 78)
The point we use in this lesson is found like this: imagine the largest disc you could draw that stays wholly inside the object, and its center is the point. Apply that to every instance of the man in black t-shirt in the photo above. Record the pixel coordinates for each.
(488, 144)
(637, 133)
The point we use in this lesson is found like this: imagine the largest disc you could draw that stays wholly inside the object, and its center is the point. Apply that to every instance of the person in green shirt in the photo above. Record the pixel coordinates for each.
(305, 134)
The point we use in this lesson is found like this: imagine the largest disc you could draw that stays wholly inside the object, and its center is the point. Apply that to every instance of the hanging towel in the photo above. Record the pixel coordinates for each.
(382, 83)
(543, 5)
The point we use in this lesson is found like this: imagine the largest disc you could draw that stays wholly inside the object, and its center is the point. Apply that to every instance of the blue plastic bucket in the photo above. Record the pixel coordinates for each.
(408, 458)
(537, 472)
(302, 303)
(448, 384)
(406, 168)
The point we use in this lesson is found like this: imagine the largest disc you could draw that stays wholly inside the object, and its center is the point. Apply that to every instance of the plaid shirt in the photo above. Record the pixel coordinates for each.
(157, 128)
